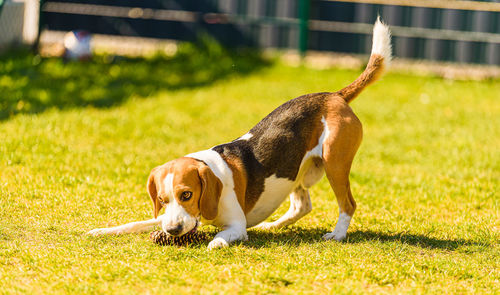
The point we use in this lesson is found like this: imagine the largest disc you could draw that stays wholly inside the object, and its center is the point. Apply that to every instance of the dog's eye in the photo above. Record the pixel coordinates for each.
(186, 196)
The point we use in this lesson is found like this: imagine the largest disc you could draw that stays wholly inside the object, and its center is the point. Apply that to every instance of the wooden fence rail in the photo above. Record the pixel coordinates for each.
(444, 4)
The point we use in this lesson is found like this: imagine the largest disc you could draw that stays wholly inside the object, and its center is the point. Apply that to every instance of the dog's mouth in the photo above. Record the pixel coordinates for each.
(195, 228)
(191, 231)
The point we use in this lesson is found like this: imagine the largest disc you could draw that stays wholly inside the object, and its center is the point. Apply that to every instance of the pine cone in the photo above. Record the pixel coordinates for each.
(161, 238)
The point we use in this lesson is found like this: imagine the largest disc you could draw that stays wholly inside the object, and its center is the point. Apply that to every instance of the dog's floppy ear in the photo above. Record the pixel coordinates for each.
(211, 188)
(153, 192)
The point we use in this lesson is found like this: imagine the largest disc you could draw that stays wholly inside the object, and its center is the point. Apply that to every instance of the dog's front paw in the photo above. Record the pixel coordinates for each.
(334, 236)
(217, 243)
(101, 232)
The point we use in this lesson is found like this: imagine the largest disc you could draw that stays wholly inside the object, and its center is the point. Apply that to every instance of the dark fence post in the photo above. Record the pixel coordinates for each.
(36, 44)
(303, 25)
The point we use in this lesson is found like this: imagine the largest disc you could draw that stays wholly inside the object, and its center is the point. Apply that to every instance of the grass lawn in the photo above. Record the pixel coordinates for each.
(426, 180)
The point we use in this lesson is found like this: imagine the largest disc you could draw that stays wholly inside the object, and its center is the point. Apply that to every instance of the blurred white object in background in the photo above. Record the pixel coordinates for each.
(31, 18)
(77, 45)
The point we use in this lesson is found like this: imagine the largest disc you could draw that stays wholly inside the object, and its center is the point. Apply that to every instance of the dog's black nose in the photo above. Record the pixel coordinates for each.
(174, 230)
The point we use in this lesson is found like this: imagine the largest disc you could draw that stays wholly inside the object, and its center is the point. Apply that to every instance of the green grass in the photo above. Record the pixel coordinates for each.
(426, 181)
(30, 84)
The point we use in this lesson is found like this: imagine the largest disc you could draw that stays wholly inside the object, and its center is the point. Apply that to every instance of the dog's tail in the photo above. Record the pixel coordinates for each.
(379, 59)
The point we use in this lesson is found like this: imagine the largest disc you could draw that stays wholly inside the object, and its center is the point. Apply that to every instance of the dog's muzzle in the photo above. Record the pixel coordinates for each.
(179, 230)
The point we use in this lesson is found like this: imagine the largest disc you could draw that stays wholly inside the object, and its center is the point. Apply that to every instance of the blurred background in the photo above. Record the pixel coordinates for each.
(195, 43)
(441, 30)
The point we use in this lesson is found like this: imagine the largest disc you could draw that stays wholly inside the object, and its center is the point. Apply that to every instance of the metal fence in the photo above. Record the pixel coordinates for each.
(446, 30)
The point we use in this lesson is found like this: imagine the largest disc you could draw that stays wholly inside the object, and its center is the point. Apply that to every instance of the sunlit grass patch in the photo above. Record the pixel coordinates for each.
(425, 179)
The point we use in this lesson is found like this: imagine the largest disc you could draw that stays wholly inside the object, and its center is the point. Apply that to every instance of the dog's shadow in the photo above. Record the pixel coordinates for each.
(296, 236)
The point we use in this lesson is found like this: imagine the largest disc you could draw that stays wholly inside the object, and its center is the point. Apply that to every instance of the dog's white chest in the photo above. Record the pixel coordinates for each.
(275, 192)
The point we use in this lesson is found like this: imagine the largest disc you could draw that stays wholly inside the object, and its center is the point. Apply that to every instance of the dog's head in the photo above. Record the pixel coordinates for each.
(187, 189)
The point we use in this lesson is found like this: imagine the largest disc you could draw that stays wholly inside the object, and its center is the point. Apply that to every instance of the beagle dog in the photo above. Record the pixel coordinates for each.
(237, 185)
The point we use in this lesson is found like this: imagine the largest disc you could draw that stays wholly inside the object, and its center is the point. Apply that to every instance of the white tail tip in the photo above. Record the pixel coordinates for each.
(382, 40)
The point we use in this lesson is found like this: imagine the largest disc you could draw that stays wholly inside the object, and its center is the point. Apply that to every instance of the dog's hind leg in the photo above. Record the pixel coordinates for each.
(300, 205)
(347, 206)
(338, 154)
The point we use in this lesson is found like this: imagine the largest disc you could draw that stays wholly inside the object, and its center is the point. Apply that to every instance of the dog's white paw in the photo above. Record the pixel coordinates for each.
(217, 243)
(102, 232)
(334, 236)
(340, 231)
(266, 226)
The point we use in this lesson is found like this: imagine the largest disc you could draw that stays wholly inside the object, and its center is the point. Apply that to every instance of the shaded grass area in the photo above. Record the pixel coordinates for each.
(31, 84)
(425, 179)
